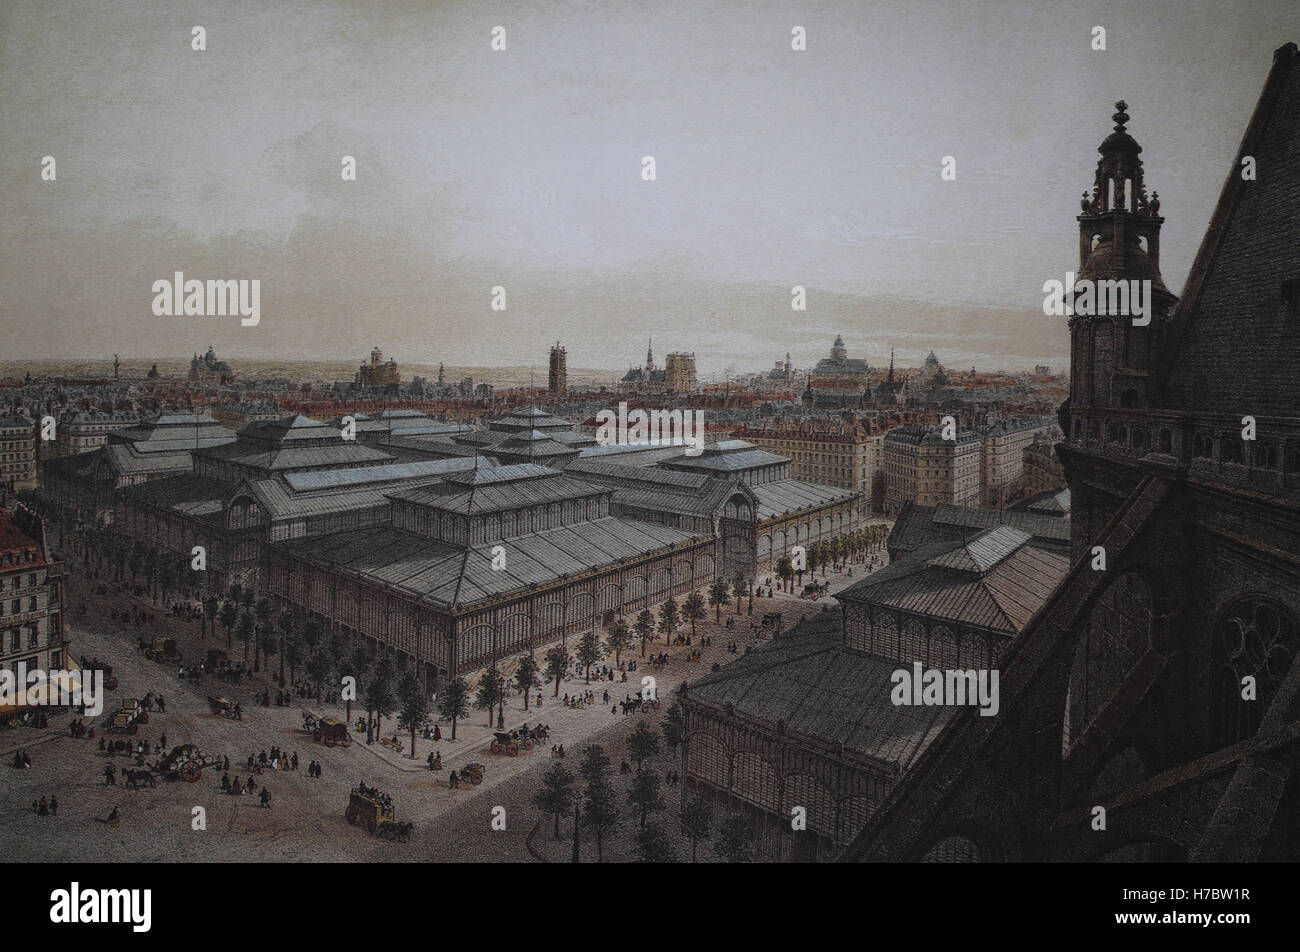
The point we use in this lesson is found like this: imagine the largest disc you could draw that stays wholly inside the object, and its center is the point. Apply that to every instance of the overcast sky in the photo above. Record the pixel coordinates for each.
(522, 168)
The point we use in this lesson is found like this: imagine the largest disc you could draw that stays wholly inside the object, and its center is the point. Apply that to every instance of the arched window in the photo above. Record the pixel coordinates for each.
(1265, 456)
(1230, 449)
(1166, 441)
(1203, 446)
(1257, 639)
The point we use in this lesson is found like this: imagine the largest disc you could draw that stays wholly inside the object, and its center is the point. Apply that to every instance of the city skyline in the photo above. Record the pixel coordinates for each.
(521, 168)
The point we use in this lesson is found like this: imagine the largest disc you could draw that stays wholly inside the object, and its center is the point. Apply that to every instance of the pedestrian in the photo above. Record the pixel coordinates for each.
(54, 805)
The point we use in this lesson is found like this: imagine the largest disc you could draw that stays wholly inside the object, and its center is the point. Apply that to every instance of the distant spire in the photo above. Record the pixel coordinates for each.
(891, 365)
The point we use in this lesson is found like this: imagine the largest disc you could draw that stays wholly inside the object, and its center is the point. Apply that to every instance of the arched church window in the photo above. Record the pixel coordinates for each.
(1257, 639)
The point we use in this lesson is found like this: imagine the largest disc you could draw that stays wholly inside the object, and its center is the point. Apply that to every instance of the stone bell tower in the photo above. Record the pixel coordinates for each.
(1119, 240)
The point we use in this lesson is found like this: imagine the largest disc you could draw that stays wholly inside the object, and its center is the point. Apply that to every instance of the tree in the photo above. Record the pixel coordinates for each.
(265, 643)
(245, 630)
(590, 650)
(816, 555)
(490, 687)
(167, 578)
(414, 700)
(785, 570)
(293, 656)
(674, 726)
(719, 595)
(735, 842)
(380, 695)
(353, 664)
(211, 605)
(557, 664)
(693, 610)
(526, 678)
(556, 795)
(453, 702)
(669, 619)
(697, 823)
(600, 812)
(645, 795)
(228, 616)
(643, 743)
(653, 845)
(738, 588)
(617, 638)
(644, 626)
(595, 765)
(319, 667)
(286, 624)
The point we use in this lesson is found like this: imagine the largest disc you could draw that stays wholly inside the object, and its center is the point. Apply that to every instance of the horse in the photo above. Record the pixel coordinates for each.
(134, 778)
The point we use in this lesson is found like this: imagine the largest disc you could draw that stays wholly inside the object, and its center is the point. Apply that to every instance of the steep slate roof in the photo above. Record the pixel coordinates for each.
(1234, 346)
(450, 576)
(919, 526)
(500, 488)
(820, 689)
(997, 581)
(791, 495)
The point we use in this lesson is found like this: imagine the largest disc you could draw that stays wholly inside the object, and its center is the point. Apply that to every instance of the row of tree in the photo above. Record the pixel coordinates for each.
(829, 553)
(595, 807)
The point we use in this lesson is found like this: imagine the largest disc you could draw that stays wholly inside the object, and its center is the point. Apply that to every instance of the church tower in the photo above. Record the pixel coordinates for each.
(1119, 240)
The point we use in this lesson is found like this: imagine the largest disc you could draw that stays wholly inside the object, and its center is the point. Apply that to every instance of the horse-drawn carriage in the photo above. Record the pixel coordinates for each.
(186, 762)
(327, 730)
(110, 681)
(226, 708)
(163, 649)
(128, 718)
(471, 773)
(511, 743)
(370, 807)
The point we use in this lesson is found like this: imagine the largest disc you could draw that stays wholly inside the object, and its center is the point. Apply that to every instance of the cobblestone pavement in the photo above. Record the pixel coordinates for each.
(305, 821)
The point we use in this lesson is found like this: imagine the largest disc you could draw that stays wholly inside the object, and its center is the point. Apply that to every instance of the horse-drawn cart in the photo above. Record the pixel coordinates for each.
(128, 718)
(220, 705)
(186, 762)
(471, 773)
(163, 649)
(510, 744)
(330, 731)
(369, 807)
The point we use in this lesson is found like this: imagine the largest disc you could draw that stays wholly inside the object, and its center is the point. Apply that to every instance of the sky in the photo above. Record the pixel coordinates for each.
(522, 168)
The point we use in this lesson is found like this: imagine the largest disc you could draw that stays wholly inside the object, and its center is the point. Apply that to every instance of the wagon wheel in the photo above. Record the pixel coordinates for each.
(513, 751)
(528, 744)
(133, 729)
(476, 777)
(351, 816)
(144, 717)
(347, 740)
(496, 747)
(330, 742)
(315, 735)
(371, 825)
(191, 770)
